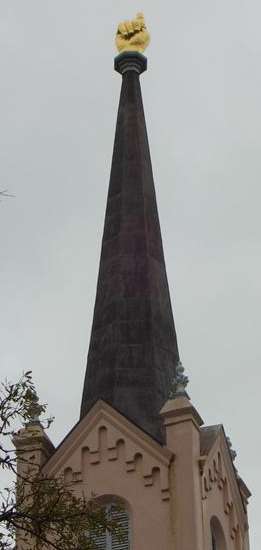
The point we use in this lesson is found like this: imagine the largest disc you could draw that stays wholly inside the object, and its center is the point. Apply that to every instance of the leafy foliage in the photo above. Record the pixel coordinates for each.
(18, 403)
(41, 512)
(4, 193)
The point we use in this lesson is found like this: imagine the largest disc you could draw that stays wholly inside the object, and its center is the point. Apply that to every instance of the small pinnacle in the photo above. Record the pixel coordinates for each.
(34, 410)
(179, 383)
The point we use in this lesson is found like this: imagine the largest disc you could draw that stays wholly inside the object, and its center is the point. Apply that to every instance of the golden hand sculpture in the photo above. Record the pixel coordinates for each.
(132, 35)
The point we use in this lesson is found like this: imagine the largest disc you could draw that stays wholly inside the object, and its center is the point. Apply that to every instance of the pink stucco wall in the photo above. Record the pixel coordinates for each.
(171, 492)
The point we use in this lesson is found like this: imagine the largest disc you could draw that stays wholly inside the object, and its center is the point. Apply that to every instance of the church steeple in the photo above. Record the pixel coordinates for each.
(133, 348)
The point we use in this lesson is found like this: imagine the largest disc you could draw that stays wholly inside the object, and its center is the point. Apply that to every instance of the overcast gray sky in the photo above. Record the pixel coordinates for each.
(59, 97)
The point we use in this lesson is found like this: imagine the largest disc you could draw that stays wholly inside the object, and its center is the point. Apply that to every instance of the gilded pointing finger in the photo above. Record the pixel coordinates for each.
(132, 35)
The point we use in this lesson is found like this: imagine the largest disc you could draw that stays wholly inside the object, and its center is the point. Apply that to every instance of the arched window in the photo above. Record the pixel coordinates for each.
(218, 541)
(119, 540)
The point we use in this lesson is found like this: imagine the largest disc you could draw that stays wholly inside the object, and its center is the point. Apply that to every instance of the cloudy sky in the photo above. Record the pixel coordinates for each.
(59, 97)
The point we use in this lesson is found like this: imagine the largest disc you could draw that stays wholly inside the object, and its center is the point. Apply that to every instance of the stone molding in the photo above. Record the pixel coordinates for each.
(218, 474)
(105, 435)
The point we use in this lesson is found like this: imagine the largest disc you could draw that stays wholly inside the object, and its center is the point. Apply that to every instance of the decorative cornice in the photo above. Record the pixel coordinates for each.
(130, 61)
(106, 441)
(102, 412)
(180, 410)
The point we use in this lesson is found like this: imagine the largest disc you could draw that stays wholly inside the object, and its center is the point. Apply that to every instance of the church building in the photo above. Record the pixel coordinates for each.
(139, 441)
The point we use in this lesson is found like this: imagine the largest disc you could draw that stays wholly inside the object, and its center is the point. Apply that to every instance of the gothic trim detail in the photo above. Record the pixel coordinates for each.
(217, 473)
(106, 435)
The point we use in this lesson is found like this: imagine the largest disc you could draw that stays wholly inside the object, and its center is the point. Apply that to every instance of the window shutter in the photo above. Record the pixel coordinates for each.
(110, 541)
(99, 541)
(122, 543)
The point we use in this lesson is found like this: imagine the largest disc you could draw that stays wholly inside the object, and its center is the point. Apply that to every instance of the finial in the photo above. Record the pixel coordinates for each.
(132, 35)
(34, 409)
(233, 453)
(179, 383)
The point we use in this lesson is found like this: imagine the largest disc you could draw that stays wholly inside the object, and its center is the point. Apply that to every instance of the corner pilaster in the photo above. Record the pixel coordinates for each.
(33, 448)
(182, 423)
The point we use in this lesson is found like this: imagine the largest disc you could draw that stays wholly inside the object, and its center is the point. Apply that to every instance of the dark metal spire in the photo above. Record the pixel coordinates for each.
(133, 348)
